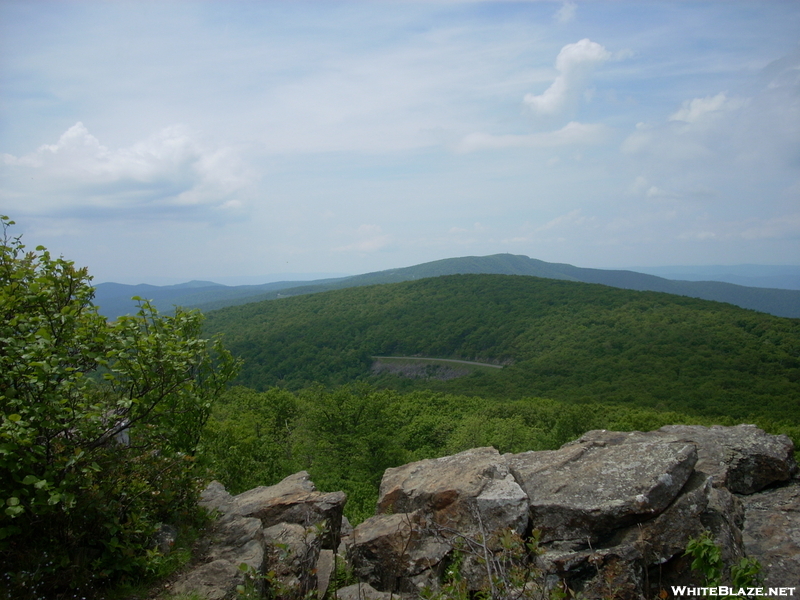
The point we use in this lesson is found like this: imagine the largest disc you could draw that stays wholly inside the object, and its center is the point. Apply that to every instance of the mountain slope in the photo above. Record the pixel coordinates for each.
(559, 339)
(785, 303)
(784, 277)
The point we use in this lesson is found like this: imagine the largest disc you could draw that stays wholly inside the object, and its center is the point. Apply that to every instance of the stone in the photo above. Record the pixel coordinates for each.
(428, 507)
(587, 489)
(772, 533)
(324, 569)
(472, 492)
(216, 580)
(389, 550)
(743, 458)
(233, 540)
(276, 529)
(362, 591)
(295, 500)
(292, 555)
(215, 498)
(614, 510)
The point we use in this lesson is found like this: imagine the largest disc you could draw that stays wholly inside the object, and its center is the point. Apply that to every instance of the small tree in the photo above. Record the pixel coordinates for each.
(98, 423)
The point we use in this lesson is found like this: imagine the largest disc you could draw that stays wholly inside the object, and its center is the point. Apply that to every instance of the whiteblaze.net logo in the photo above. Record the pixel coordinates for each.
(683, 591)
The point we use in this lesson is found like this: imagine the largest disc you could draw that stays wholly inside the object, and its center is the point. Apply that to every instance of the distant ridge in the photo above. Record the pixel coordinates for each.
(784, 277)
(114, 299)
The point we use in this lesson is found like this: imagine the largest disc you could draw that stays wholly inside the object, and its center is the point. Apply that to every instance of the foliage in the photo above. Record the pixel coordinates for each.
(348, 436)
(505, 563)
(100, 422)
(707, 560)
(249, 438)
(559, 339)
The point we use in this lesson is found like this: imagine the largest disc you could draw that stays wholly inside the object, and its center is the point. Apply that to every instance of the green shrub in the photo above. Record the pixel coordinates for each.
(98, 426)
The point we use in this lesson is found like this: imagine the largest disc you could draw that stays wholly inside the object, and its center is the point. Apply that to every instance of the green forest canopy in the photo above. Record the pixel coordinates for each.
(562, 340)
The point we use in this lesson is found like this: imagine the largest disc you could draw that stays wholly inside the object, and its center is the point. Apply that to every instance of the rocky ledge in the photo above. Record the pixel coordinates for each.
(613, 513)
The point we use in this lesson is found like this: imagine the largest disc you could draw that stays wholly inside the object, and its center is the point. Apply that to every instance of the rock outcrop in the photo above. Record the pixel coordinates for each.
(279, 529)
(612, 512)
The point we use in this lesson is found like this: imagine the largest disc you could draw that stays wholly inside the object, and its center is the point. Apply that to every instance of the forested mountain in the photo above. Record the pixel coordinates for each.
(114, 299)
(557, 339)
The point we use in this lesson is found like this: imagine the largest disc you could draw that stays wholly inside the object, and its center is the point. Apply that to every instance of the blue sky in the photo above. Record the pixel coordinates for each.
(166, 141)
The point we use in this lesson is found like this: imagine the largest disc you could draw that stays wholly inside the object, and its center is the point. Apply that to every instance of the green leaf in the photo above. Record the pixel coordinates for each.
(14, 418)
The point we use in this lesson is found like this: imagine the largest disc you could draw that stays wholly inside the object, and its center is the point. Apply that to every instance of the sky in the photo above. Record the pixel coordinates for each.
(160, 142)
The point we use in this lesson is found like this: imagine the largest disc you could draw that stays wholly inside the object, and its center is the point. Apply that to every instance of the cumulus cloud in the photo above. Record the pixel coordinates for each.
(699, 129)
(731, 134)
(575, 64)
(571, 134)
(169, 169)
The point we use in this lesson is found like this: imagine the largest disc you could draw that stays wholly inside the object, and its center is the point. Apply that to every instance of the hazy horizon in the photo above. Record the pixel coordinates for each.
(742, 271)
(179, 141)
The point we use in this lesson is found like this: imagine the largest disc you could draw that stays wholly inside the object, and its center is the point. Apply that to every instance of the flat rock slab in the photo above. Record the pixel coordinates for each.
(744, 458)
(586, 490)
(772, 533)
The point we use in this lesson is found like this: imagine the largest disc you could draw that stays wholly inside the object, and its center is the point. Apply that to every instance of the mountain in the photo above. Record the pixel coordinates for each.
(564, 340)
(785, 277)
(114, 299)
(113, 302)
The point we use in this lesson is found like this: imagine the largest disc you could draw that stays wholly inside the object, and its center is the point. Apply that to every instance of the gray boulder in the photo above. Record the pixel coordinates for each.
(397, 552)
(772, 533)
(278, 529)
(362, 591)
(293, 552)
(743, 459)
(614, 510)
(589, 488)
(295, 500)
(472, 492)
(215, 580)
(428, 507)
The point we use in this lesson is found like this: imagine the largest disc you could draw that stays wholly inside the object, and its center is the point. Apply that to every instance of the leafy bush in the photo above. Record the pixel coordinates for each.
(707, 560)
(98, 425)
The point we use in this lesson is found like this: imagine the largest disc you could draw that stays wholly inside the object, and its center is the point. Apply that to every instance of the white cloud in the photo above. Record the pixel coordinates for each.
(566, 13)
(571, 134)
(573, 218)
(169, 169)
(693, 111)
(575, 64)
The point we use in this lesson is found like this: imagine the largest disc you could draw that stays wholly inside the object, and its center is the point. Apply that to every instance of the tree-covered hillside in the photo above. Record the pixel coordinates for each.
(558, 339)
(115, 299)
